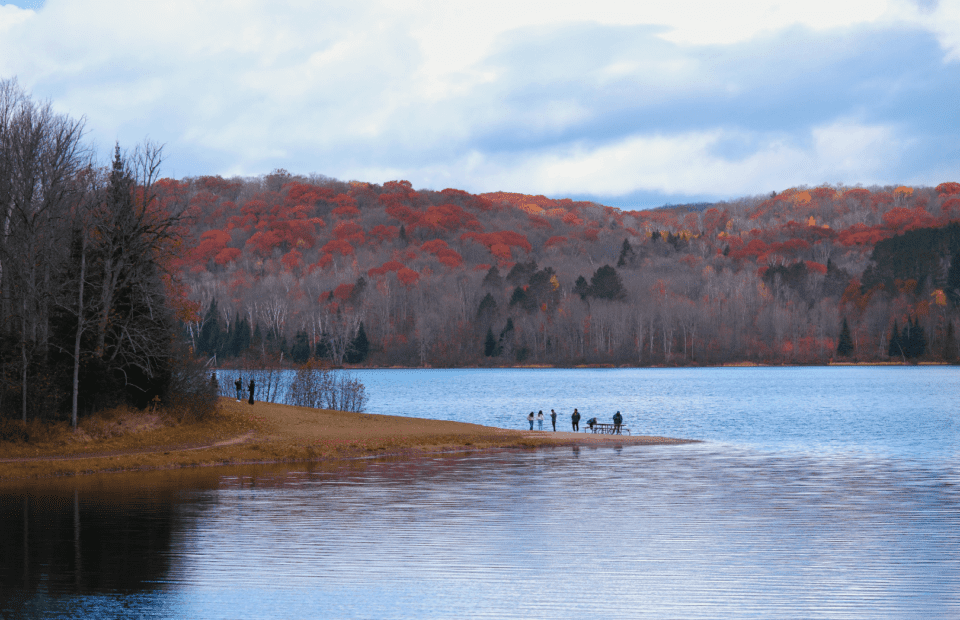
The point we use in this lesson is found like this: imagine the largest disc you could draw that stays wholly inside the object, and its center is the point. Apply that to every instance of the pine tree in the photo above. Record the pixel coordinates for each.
(358, 348)
(490, 344)
(918, 343)
(211, 337)
(581, 288)
(950, 344)
(493, 279)
(953, 278)
(896, 347)
(300, 352)
(519, 297)
(487, 309)
(845, 342)
(606, 284)
(626, 254)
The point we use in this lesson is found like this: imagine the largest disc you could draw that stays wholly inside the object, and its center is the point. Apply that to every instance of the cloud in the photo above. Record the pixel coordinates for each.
(681, 98)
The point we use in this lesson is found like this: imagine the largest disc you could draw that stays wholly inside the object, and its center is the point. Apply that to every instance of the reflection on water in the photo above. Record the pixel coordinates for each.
(701, 530)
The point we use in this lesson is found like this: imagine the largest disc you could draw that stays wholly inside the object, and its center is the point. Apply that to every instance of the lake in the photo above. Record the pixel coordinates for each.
(818, 492)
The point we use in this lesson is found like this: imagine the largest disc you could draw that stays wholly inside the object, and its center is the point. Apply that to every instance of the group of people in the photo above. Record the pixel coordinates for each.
(574, 419)
(239, 385)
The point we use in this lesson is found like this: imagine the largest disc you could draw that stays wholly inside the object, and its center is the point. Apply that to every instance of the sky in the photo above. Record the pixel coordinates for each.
(632, 104)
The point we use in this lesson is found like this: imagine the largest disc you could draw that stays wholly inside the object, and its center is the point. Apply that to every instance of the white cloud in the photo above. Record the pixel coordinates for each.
(431, 90)
(679, 164)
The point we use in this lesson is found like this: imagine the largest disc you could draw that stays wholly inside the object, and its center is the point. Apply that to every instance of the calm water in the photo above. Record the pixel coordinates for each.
(818, 493)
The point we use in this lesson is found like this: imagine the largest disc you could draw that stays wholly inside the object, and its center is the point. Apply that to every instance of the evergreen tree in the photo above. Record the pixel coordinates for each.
(358, 289)
(359, 347)
(505, 342)
(490, 344)
(519, 297)
(626, 254)
(256, 341)
(403, 235)
(845, 342)
(300, 352)
(322, 350)
(896, 347)
(953, 278)
(210, 334)
(493, 279)
(606, 284)
(487, 311)
(241, 337)
(581, 288)
(521, 272)
(918, 342)
(950, 344)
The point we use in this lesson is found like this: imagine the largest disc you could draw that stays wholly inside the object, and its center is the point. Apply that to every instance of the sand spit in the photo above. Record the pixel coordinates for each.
(271, 433)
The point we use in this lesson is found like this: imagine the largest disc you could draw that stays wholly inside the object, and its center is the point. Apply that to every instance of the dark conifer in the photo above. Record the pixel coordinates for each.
(493, 279)
(606, 284)
(950, 344)
(210, 333)
(359, 347)
(488, 308)
(845, 342)
(519, 297)
(490, 344)
(521, 272)
(300, 352)
(895, 349)
(626, 254)
(953, 278)
(581, 287)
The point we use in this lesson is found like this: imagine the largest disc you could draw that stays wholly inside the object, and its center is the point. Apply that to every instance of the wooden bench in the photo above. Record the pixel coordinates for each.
(607, 429)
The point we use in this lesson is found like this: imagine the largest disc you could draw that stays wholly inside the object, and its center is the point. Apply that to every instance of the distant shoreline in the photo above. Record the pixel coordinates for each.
(268, 433)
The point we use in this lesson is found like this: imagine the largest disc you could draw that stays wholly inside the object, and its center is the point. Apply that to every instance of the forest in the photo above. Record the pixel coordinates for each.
(91, 307)
(308, 267)
(119, 286)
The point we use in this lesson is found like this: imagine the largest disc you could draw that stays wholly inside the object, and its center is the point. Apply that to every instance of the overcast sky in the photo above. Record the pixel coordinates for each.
(629, 103)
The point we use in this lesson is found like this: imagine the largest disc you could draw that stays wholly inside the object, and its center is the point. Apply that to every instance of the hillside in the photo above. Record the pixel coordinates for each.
(446, 278)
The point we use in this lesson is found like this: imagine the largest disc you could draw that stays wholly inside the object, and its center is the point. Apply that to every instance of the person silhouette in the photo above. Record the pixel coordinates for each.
(251, 387)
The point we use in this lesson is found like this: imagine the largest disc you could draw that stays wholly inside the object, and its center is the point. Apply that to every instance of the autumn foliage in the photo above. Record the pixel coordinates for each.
(428, 258)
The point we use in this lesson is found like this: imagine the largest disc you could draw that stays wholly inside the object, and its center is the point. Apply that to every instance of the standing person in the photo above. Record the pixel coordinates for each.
(540, 419)
(575, 418)
(239, 385)
(553, 419)
(617, 421)
(530, 420)
(251, 387)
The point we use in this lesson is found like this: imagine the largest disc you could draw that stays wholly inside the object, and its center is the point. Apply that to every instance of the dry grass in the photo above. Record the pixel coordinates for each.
(238, 433)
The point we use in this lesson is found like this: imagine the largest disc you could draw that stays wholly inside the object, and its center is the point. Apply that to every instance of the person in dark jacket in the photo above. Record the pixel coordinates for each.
(251, 387)
(617, 421)
(239, 385)
(591, 422)
(575, 419)
(553, 419)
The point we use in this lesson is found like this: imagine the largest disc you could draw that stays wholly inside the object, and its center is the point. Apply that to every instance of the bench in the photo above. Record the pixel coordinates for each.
(607, 429)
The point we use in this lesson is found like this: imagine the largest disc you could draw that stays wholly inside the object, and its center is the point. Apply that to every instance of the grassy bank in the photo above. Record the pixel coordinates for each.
(262, 433)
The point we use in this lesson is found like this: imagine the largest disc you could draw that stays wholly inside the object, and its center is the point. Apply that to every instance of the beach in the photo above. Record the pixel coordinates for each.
(271, 433)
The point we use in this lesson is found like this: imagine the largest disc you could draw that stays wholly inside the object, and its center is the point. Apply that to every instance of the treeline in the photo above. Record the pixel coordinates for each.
(295, 266)
(86, 319)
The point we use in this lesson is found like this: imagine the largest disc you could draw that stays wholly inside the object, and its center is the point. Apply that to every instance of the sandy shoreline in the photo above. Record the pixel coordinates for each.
(269, 433)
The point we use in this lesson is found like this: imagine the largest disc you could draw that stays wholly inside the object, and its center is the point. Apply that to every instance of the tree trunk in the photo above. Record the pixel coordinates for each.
(76, 340)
